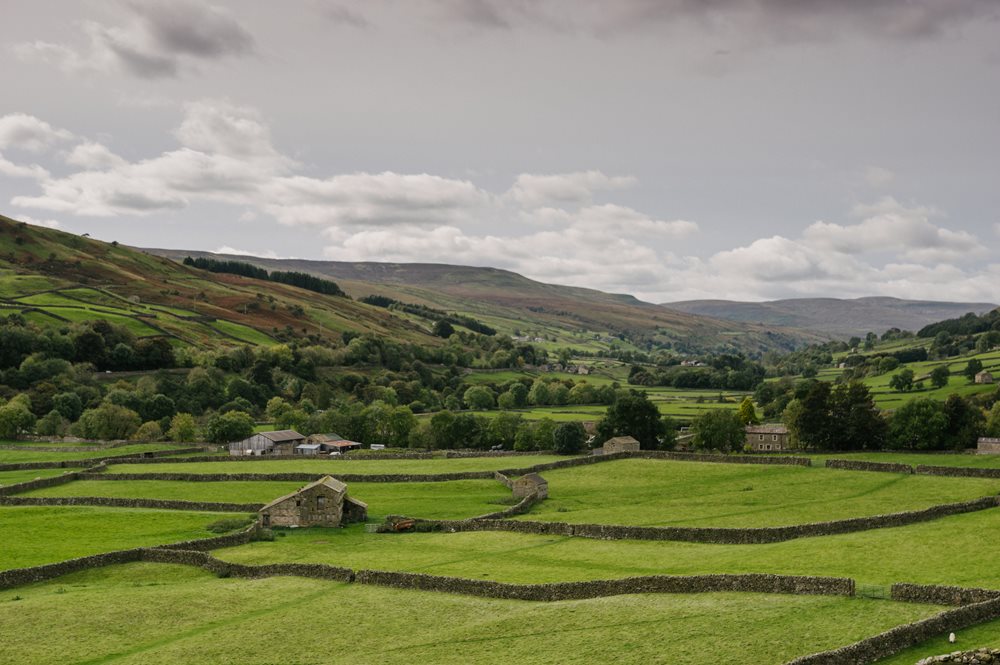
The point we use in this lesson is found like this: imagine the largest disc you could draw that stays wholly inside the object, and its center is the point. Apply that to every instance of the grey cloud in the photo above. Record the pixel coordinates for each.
(338, 13)
(201, 31)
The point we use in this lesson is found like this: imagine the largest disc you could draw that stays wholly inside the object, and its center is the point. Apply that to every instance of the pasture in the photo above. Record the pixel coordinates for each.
(152, 614)
(160, 613)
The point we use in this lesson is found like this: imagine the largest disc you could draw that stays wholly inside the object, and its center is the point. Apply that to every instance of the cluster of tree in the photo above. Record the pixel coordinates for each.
(299, 279)
(520, 394)
(722, 372)
(968, 324)
(444, 320)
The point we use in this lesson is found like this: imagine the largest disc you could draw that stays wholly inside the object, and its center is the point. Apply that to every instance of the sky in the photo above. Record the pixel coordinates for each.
(670, 149)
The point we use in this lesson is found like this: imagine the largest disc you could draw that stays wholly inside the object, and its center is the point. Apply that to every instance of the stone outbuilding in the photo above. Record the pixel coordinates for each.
(529, 484)
(767, 438)
(279, 442)
(321, 503)
(984, 377)
(988, 446)
(621, 444)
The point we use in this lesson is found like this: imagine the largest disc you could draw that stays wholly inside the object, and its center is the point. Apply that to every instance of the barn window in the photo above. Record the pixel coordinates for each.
(298, 503)
(320, 501)
(761, 437)
(774, 437)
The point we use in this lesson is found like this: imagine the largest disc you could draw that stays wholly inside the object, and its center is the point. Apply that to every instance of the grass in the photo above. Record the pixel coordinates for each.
(660, 493)
(950, 550)
(337, 466)
(45, 534)
(162, 614)
(14, 477)
(14, 456)
(974, 637)
(929, 459)
(242, 332)
(449, 500)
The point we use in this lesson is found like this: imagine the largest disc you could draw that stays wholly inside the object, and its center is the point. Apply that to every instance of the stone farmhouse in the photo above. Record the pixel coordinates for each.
(281, 442)
(321, 503)
(621, 444)
(988, 446)
(767, 438)
(984, 377)
(529, 484)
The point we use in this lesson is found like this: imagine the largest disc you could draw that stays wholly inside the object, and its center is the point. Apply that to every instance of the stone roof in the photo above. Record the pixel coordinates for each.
(281, 435)
(767, 429)
(985, 373)
(329, 481)
(622, 439)
(533, 478)
(988, 439)
(325, 438)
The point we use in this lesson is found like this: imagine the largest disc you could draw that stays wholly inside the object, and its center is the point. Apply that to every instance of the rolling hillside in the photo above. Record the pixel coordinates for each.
(554, 316)
(833, 316)
(55, 277)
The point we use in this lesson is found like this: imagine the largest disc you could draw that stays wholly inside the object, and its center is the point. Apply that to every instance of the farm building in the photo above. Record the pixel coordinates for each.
(333, 443)
(988, 446)
(767, 438)
(281, 442)
(321, 503)
(621, 444)
(530, 483)
(984, 377)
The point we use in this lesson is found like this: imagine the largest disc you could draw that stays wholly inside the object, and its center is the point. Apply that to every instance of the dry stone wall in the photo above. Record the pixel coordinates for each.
(933, 594)
(957, 471)
(902, 637)
(859, 465)
(723, 535)
(168, 504)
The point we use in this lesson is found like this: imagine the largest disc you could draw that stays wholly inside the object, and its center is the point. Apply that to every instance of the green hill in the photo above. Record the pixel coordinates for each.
(54, 277)
(550, 315)
(834, 316)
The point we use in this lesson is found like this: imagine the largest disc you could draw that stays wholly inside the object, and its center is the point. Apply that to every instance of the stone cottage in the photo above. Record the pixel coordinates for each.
(767, 438)
(530, 483)
(984, 377)
(988, 446)
(280, 442)
(621, 444)
(321, 503)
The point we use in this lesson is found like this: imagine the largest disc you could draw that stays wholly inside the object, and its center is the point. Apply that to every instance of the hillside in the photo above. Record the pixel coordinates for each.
(554, 316)
(835, 317)
(54, 277)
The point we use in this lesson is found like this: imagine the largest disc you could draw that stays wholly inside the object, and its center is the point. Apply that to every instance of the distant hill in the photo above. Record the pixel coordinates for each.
(833, 316)
(561, 316)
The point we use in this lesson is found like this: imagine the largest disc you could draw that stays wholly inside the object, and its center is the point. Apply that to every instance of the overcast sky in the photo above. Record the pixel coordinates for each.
(672, 149)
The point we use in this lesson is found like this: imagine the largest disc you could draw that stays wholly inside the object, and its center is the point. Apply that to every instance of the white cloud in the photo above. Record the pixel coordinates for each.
(159, 39)
(266, 254)
(9, 168)
(890, 226)
(26, 132)
(536, 191)
(95, 156)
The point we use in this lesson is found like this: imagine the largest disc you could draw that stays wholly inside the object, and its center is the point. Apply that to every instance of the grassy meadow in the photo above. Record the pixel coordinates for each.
(150, 614)
(35, 535)
(8, 456)
(448, 500)
(667, 493)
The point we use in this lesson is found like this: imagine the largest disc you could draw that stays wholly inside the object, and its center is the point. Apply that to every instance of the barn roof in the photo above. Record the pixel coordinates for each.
(329, 481)
(622, 439)
(533, 478)
(282, 435)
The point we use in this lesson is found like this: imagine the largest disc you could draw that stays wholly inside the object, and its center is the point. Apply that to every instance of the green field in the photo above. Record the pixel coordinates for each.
(448, 500)
(660, 493)
(153, 613)
(928, 459)
(945, 551)
(338, 466)
(35, 535)
(14, 477)
(13, 456)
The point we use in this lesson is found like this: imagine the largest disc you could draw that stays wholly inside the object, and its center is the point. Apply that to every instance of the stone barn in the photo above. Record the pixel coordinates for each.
(988, 446)
(280, 442)
(621, 444)
(767, 438)
(984, 377)
(530, 483)
(321, 503)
